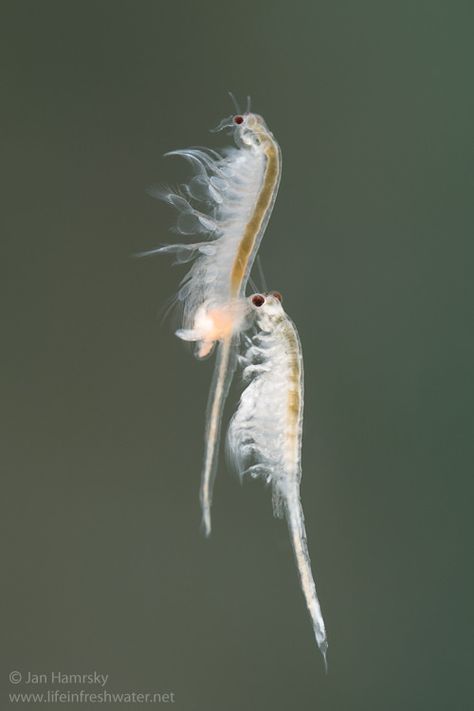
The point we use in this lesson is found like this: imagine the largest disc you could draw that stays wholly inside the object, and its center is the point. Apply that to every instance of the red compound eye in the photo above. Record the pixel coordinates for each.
(238, 119)
(277, 295)
(258, 300)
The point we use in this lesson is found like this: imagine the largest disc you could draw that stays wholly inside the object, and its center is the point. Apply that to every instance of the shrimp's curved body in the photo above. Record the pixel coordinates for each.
(265, 434)
(238, 188)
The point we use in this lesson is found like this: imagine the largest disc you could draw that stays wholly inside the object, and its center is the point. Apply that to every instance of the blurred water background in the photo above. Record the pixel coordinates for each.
(370, 243)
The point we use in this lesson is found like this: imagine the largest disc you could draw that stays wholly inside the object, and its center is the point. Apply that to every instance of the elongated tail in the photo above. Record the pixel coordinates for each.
(295, 519)
(223, 373)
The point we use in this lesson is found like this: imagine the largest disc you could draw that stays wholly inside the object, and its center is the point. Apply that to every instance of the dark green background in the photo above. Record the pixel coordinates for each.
(370, 242)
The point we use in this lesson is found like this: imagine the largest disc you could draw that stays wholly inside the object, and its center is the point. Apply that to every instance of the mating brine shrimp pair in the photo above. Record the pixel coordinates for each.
(237, 189)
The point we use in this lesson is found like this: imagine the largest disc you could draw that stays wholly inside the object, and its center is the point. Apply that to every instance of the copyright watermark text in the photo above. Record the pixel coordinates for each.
(94, 689)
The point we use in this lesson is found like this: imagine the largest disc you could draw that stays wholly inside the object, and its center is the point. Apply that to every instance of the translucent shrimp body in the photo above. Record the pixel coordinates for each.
(238, 189)
(265, 434)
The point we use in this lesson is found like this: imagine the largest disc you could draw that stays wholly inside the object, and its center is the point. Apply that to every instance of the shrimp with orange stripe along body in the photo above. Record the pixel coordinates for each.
(237, 188)
(265, 434)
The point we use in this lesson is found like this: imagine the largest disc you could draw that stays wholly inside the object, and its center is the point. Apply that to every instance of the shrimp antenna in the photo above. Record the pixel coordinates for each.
(235, 102)
(255, 288)
(249, 103)
(262, 275)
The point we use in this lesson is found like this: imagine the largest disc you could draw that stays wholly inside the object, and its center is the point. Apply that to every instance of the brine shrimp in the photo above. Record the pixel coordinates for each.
(237, 189)
(265, 433)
